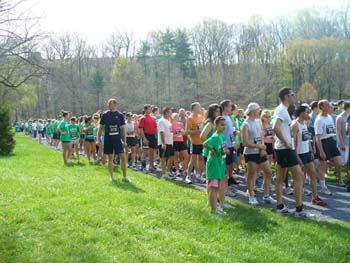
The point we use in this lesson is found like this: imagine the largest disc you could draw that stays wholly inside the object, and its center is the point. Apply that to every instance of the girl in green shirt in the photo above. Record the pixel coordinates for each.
(216, 163)
(90, 140)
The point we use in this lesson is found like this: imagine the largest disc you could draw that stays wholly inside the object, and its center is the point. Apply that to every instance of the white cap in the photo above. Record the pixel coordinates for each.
(251, 106)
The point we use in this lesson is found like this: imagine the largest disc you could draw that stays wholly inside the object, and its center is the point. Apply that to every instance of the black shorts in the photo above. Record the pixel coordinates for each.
(152, 141)
(330, 148)
(55, 136)
(255, 158)
(167, 152)
(269, 148)
(240, 150)
(90, 140)
(286, 158)
(197, 149)
(113, 144)
(306, 158)
(82, 136)
(179, 146)
(65, 142)
(229, 157)
(131, 141)
(41, 132)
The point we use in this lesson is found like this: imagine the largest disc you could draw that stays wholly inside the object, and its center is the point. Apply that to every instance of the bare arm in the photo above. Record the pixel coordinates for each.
(247, 143)
(277, 129)
(205, 131)
(339, 135)
(123, 133)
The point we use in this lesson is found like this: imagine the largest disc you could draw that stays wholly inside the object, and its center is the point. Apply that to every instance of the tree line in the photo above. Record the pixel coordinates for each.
(308, 51)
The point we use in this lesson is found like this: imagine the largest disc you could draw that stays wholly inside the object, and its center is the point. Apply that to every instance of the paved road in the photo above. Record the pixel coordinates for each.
(338, 204)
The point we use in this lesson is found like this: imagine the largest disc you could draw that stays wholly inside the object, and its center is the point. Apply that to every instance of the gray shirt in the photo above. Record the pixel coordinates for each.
(254, 136)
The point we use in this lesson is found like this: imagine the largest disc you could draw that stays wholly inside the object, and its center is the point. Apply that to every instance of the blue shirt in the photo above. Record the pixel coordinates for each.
(229, 131)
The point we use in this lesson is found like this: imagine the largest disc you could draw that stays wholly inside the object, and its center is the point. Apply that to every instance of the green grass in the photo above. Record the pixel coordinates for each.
(52, 213)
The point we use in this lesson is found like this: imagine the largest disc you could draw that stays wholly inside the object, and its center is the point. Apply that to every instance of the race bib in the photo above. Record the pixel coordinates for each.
(330, 129)
(305, 136)
(223, 148)
(258, 140)
(113, 130)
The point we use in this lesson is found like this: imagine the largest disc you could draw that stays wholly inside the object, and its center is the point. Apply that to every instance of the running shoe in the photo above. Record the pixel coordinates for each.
(304, 214)
(324, 190)
(285, 210)
(188, 180)
(232, 180)
(318, 201)
(227, 205)
(307, 192)
(253, 201)
(218, 212)
(269, 200)
(126, 179)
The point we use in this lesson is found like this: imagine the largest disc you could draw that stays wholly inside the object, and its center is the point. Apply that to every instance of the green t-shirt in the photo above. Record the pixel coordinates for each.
(205, 150)
(89, 134)
(30, 127)
(216, 164)
(55, 126)
(240, 122)
(65, 134)
(74, 130)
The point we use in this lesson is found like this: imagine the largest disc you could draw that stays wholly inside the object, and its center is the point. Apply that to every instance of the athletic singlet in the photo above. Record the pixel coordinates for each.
(304, 137)
(254, 136)
(130, 129)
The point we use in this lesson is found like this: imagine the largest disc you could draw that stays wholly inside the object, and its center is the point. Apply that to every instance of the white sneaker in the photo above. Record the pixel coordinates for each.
(304, 214)
(218, 212)
(285, 210)
(188, 180)
(269, 200)
(126, 179)
(324, 190)
(227, 206)
(253, 201)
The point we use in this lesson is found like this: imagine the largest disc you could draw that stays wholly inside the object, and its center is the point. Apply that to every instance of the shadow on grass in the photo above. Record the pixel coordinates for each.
(127, 186)
(7, 156)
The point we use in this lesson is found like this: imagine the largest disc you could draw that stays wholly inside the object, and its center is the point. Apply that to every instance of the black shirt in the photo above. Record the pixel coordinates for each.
(112, 121)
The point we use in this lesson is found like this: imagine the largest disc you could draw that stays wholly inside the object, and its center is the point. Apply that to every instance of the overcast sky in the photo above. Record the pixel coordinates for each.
(97, 19)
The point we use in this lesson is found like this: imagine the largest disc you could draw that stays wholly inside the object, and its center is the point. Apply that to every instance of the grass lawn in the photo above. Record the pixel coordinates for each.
(51, 213)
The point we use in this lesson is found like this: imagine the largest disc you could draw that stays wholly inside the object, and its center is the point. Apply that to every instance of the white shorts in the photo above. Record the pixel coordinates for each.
(75, 141)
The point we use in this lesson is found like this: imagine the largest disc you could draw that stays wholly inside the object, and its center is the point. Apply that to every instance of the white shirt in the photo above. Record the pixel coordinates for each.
(325, 127)
(130, 129)
(281, 113)
(40, 126)
(165, 126)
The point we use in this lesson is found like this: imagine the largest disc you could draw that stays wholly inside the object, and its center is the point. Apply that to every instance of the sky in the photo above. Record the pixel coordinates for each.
(97, 19)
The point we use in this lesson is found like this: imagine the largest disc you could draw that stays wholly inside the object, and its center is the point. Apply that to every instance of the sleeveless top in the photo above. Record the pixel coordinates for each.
(344, 134)
(254, 136)
(130, 129)
(304, 137)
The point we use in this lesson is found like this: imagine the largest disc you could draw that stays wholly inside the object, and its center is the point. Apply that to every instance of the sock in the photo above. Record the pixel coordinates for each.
(280, 206)
(143, 162)
(323, 183)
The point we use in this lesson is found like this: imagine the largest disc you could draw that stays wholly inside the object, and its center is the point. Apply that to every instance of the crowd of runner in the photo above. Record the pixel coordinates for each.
(211, 146)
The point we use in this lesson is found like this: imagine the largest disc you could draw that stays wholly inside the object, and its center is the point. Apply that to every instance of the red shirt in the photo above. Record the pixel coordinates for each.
(148, 124)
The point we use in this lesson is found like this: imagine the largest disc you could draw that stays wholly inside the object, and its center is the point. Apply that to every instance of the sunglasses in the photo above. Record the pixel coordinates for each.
(291, 94)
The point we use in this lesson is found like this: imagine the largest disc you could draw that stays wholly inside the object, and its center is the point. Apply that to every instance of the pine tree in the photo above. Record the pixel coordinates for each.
(7, 141)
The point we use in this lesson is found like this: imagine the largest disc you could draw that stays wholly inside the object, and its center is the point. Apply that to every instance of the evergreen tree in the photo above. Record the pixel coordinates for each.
(7, 141)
